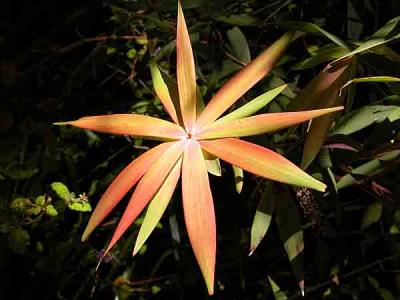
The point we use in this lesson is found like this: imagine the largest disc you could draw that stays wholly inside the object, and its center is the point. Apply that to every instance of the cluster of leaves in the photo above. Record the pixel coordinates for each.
(343, 243)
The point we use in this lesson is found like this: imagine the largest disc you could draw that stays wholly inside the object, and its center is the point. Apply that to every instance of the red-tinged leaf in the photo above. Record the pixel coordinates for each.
(260, 161)
(130, 124)
(244, 80)
(122, 184)
(186, 74)
(323, 91)
(158, 205)
(260, 124)
(147, 187)
(199, 211)
(162, 91)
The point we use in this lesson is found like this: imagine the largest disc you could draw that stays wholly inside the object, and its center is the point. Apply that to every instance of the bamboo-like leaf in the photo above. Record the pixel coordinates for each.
(371, 79)
(260, 123)
(260, 161)
(147, 187)
(185, 72)
(158, 205)
(368, 169)
(199, 211)
(162, 91)
(254, 105)
(122, 184)
(322, 91)
(130, 124)
(384, 35)
(324, 55)
(313, 28)
(238, 173)
(262, 218)
(242, 81)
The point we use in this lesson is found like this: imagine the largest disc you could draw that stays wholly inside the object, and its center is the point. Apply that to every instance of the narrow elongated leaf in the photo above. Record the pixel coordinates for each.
(242, 81)
(384, 35)
(185, 72)
(147, 187)
(238, 173)
(322, 91)
(254, 105)
(262, 218)
(158, 205)
(130, 124)
(260, 124)
(122, 184)
(368, 169)
(199, 211)
(372, 79)
(278, 293)
(260, 161)
(162, 91)
(322, 56)
(313, 28)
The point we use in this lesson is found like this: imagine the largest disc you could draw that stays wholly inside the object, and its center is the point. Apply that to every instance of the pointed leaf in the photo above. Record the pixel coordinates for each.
(324, 55)
(372, 79)
(260, 161)
(262, 218)
(254, 105)
(199, 211)
(147, 187)
(260, 124)
(158, 205)
(238, 173)
(384, 35)
(122, 184)
(130, 124)
(278, 293)
(242, 81)
(162, 91)
(290, 230)
(313, 28)
(185, 72)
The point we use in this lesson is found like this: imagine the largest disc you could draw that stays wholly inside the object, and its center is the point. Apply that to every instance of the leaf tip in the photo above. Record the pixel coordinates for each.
(63, 123)
(252, 249)
(301, 285)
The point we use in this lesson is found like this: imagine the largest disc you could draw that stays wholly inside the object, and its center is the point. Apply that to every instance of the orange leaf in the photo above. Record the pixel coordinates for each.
(147, 187)
(260, 161)
(199, 211)
(157, 206)
(242, 81)
(185, 72)
(260, 124)
(122, 184)
(130, 124)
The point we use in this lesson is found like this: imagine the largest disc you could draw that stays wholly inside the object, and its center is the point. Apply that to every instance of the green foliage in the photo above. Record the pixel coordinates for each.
(93, 58)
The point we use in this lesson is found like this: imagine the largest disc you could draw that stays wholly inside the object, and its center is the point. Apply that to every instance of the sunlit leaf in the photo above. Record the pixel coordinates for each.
(157, 206)
(254, 105)
(198, 210)
(260, 161)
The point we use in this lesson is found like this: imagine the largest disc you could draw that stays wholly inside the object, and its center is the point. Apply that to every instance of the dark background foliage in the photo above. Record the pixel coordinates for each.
(61, 60)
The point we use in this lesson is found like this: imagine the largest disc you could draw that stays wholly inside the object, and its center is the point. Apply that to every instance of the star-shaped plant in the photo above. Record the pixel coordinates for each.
(195, 135)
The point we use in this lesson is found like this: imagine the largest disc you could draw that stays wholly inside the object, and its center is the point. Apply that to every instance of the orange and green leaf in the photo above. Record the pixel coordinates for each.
(242, 81)
(147, 187)
(260, 161)
(122, 184)
(158, 205)
(260, 123)
(130, 124)
(199, 211)
(186, 74)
